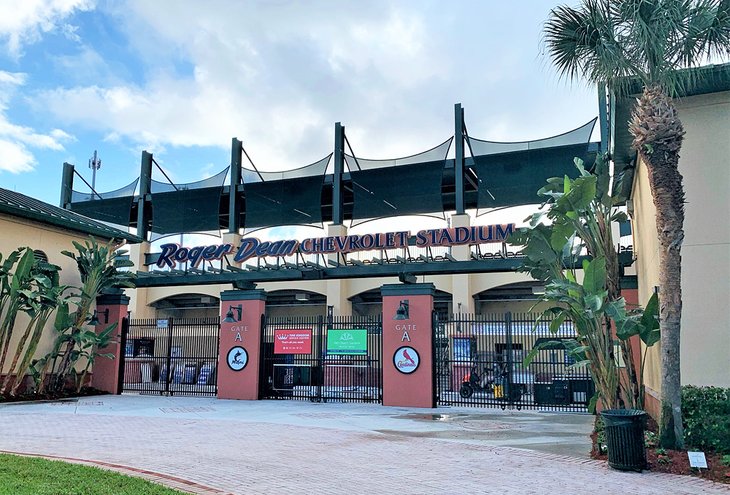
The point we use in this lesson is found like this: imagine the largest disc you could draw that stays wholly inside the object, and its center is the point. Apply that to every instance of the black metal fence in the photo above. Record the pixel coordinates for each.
(322, 359)
(479, 362)
(170, 356)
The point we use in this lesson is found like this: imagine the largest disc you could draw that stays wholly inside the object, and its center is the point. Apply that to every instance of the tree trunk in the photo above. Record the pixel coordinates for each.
(658, 135)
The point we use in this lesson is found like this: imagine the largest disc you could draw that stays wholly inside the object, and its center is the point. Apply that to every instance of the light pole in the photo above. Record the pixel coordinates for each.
(94, 165)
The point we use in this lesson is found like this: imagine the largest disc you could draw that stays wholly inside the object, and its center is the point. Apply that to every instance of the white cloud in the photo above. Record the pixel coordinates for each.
(15, 140)
(279, 74)
(278, 85)
(26, 21)
(15, 157)
(11, 78)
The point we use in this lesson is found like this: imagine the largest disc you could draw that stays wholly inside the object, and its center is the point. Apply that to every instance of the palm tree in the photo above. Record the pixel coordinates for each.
(620, 42)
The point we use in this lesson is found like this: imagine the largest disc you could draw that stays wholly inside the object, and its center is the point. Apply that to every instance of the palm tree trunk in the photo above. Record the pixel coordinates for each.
(658, 135)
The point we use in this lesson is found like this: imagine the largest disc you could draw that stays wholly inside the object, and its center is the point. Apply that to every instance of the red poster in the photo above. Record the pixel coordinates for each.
(293, 341)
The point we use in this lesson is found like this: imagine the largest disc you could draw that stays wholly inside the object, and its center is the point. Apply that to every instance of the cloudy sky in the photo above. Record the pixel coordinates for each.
(181, 78)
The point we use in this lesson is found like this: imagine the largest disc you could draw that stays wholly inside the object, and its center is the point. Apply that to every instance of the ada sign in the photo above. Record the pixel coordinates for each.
(406, 360)
(352, 342)
(237, 358)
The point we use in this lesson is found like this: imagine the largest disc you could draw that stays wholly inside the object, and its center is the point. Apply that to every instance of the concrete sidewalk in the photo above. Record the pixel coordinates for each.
(287, 447)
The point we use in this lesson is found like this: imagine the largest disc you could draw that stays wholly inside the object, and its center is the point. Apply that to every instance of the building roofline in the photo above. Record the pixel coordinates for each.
(22, 206)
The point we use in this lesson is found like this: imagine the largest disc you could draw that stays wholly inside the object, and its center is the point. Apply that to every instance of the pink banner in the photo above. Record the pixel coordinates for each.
(293, 341)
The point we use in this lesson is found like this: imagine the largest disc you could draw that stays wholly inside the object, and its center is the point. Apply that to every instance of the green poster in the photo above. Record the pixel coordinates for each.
(347, 342)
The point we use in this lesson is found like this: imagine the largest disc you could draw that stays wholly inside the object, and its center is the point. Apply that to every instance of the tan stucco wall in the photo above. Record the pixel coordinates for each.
(705, 344)
(20, 233)
(338, 292)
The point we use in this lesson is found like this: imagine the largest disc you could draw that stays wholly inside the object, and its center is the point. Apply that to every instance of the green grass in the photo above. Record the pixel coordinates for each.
(34, 476)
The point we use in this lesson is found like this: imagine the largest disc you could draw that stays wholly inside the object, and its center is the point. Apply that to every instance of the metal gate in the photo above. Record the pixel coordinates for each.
(170, 356)
(479, 363)
(322, 359)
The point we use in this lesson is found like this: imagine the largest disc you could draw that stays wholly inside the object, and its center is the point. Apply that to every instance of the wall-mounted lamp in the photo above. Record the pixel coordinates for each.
(95, 319)
(230, 317)
(403, 311)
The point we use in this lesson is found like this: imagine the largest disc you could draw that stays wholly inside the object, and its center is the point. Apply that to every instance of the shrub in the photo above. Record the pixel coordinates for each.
(706, 418)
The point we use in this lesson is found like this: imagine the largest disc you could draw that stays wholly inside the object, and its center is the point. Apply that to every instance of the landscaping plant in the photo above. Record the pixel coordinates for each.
(573, 231)
(101, 269)
(706, 416)
(30, 287)
(616, 44)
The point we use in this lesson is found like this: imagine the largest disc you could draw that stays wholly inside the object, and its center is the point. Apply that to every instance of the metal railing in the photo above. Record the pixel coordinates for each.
(170, 356)
(336, 358)
(479, 362)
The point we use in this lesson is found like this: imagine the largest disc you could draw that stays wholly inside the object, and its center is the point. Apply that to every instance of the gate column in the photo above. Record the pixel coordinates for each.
(110, 308)
(408, 345)
(239, 346)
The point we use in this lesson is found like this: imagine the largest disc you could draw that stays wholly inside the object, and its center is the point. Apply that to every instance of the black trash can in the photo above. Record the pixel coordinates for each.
(625, 438)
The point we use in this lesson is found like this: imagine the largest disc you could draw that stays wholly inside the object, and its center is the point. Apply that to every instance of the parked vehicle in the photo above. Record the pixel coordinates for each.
(494, 382)
(477, 381)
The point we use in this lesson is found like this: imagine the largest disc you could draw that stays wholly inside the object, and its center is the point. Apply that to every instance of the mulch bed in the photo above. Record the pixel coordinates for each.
(69, 394)
(675, 461)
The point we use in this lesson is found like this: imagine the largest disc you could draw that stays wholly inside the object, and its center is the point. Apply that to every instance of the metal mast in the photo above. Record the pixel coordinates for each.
(94, 165)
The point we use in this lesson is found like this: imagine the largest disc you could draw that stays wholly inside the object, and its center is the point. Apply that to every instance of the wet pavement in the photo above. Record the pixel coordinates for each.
(272, 447)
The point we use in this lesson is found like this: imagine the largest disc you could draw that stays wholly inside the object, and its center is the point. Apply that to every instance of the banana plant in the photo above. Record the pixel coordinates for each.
(89, 343)
(16, 288)
(573, 230)
(41, 299)
(101, 268)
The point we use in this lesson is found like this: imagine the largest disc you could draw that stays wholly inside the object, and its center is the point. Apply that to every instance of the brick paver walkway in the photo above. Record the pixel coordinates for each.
(249, 458)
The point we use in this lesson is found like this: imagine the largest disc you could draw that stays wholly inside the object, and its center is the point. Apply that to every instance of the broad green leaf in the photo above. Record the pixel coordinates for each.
(649, 326)
(582, 193)
(561, 234)
(557, 321)
(580, 165)
(627, 329)
(616, 310)
(603, 181)
(594, 279)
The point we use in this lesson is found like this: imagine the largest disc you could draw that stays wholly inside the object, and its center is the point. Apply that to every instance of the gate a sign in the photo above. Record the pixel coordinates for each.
(408, 345)
(293, 341)
(239, 345)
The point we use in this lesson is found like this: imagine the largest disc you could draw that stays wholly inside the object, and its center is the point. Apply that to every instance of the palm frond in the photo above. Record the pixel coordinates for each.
(621, 42)
(583, 42)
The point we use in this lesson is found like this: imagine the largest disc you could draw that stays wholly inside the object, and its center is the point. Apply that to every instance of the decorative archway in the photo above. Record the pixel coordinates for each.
(187, 305)
(517, 297)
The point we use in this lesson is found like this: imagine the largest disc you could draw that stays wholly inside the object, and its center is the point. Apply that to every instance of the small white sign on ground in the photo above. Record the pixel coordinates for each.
(697, 460)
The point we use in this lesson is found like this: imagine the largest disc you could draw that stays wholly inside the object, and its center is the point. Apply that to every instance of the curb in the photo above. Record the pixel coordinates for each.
(155, 477)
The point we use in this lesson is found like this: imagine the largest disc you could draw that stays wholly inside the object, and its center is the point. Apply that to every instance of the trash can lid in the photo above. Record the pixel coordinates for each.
(624, 417)
(623, 413)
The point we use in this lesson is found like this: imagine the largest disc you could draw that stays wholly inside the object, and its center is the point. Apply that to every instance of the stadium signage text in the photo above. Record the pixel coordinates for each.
(252, 247)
